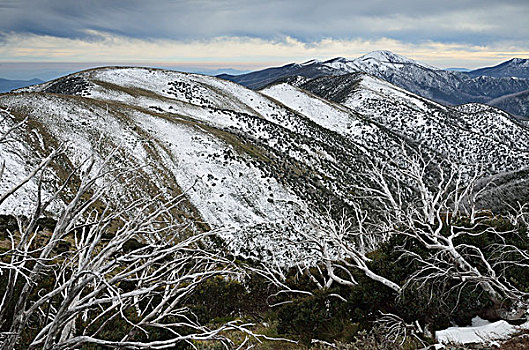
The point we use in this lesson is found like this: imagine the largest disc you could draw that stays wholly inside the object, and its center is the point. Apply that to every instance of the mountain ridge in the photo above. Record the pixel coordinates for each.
(515, 67)
(241, 158)
(447, 87)
(251, 160)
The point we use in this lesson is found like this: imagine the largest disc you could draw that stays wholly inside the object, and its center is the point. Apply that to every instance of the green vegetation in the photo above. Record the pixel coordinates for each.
(344, 315)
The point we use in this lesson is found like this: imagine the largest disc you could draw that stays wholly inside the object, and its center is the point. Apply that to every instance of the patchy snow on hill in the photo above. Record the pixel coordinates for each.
(489, 140)
(447, 87)
(246, 159)
(237, 154)
(331, 116)
(235, 195)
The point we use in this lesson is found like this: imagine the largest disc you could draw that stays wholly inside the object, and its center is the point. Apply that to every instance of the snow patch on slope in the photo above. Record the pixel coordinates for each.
(480, 332)
(225, 195)
(330, 116)
(194, 89)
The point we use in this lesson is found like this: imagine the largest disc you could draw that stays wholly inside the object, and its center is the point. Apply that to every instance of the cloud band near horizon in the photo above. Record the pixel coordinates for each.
(470, 33)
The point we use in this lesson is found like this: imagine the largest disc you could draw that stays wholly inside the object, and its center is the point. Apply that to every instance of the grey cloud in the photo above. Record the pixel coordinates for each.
(473, 22)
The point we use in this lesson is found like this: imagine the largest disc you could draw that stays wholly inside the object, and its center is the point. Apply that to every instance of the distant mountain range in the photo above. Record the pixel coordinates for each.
(485, 85)
(516, 67)
(7, 85)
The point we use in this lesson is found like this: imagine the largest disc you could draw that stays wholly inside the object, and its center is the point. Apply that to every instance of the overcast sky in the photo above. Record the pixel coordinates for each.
(257, 33)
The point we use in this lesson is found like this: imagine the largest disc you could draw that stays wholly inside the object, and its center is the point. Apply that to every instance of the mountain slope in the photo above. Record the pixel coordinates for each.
(494, 138)
(242, 159)
(516, 67)
(517, 103)
(256, 80)
(252, 161)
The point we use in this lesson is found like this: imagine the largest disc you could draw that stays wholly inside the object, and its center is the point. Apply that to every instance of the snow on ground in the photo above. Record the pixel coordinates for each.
(201, 97)
(332, 117)
(161, 103)
(495, 124)
(226, 188)
(472, 139)
(480, 332)
(217, 102)
(198, 90)
(12, 158)
(392, 92)
(388, 57)
(375, 62)
(376, 98)
(80, 129)
(215, 117)
(192, 97)
(72, 123)
(256, 102)
(234, 195)
(181, 86)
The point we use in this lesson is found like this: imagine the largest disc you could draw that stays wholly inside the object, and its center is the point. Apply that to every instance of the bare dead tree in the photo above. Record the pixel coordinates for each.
(103, 278)
(431, 205)
(327, 250)
(396, 330)
(443, 219)
(341, 245)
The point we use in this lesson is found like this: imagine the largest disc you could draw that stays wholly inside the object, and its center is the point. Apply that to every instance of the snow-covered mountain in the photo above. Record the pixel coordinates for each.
(242, 159)
(258, 79)
(251, 160)
(447, 87)
(374, 62)
(470, 134)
